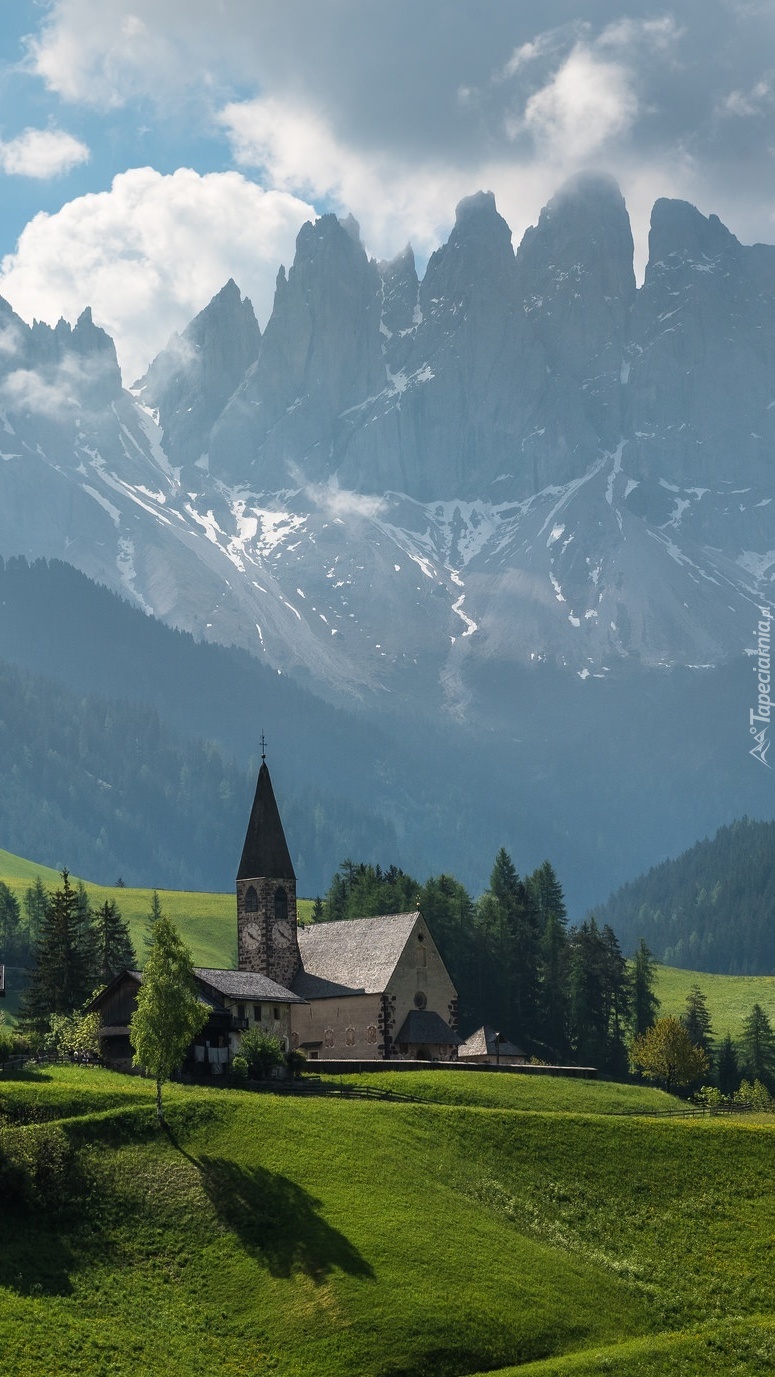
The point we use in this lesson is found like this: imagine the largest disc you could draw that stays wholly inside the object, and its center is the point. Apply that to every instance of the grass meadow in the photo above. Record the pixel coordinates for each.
(331, 1238)
(208, 922)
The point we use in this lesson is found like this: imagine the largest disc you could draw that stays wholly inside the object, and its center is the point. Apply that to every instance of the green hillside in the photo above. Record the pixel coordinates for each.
(208, 922)
(319, 1238)
(730, 997)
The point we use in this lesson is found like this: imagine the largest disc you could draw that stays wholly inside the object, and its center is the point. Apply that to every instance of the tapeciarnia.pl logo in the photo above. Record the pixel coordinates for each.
(759, 718)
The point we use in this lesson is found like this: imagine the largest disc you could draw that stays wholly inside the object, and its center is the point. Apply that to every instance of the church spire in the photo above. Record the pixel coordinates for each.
(267, 941)
(265, 852)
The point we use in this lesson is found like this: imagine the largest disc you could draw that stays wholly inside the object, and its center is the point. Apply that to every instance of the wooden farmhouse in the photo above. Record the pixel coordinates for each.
(235, 1001)
(369, 989)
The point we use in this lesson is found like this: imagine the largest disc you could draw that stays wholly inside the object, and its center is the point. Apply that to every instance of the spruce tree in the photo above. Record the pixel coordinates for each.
(696, 1020)
(554, 1011)
(35, 905)
(11, 935)
(644, 1004)
(617, 996)
(727, 1069)
(60, 979)
(114, 949)
(154, 914)
(758, 1047)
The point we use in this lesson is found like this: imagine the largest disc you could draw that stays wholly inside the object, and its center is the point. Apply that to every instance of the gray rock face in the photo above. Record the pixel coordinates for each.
(519, 459)
(702, 352)
(320, 355)
(191, 381)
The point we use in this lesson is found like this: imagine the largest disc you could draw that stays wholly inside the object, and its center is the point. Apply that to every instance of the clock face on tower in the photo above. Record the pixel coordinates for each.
(283, 933)
(252, 933)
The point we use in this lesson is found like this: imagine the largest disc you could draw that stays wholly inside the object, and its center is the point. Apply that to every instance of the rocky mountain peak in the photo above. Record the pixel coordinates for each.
(681, 234)
(190, 382)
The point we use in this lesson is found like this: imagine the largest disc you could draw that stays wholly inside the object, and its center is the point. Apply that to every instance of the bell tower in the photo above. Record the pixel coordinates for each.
(267, 943)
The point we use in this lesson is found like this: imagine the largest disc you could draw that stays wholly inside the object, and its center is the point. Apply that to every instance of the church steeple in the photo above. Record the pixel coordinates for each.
(265, 851)
(267, 942)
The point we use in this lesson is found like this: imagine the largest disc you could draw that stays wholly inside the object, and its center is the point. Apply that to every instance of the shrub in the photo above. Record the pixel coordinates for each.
(296, 1061)
(262, 1052)
(239, 1070)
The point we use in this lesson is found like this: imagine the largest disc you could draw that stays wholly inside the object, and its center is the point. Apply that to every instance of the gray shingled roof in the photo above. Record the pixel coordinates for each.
(357, 956)
(482, 1043)
(246, 985)
(425, 1025)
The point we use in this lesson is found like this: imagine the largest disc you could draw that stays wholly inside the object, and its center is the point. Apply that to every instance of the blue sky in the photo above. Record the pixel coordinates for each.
(151, 149)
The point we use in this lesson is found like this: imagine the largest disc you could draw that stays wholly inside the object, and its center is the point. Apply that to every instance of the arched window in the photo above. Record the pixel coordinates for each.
(251, 900)
(280, 904)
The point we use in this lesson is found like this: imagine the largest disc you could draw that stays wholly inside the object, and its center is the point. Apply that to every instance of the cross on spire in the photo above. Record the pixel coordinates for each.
(263, 747)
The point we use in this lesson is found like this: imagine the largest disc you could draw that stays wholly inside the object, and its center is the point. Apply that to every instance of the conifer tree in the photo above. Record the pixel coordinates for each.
(644, 1004)
(11, 935)
(114, 949)
(61, 977)
(696, 1020)
(35, 905)
(727, 1069)
(554, 1010)
(758, 1047)
(154, 914)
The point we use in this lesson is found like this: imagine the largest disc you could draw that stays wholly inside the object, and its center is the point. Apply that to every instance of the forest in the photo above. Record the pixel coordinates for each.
(711, 909)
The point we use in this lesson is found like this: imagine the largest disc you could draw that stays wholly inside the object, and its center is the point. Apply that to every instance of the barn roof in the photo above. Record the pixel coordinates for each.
(357, 956)
(245, 985)
(265, 854)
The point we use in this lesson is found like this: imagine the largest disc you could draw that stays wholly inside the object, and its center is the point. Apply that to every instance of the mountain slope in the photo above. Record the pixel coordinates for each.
(710, 909)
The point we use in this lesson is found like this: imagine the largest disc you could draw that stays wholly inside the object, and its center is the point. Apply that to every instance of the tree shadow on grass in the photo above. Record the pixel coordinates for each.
(277, 1222)
(34, 1260)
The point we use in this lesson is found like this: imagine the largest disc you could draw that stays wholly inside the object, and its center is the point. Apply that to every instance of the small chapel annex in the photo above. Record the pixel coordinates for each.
(372, 988)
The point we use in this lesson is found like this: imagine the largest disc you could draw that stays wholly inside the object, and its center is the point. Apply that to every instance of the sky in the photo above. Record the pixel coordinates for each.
(150, 150)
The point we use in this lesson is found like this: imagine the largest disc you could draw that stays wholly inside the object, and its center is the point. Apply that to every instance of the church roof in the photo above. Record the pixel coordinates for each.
(425, 1025)
(265, 854)
(246, 985)
(357, 956)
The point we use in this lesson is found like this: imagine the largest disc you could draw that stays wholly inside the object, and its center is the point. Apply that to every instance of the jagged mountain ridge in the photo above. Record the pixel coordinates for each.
(518, 458)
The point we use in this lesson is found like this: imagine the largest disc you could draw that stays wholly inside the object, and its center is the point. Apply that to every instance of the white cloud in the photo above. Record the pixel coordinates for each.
(393, 201)
(586, 103)
(58, 388)
(42, 153)
(745, 104)
(151, 252)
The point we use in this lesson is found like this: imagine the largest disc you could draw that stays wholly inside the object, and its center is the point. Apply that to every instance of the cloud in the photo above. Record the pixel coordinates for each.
(335, 502)
(745, 104)
(59, 389)
(42, 153)
(151, 252)
(295, 149)
(586, 104)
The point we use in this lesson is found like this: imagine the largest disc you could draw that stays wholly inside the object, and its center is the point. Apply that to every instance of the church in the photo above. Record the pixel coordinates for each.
(364, 989)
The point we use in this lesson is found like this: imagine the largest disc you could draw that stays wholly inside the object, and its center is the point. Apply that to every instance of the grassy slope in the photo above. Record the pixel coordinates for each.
(207, 921)
(730, 997)
(352, 1239)
(496, 1090)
